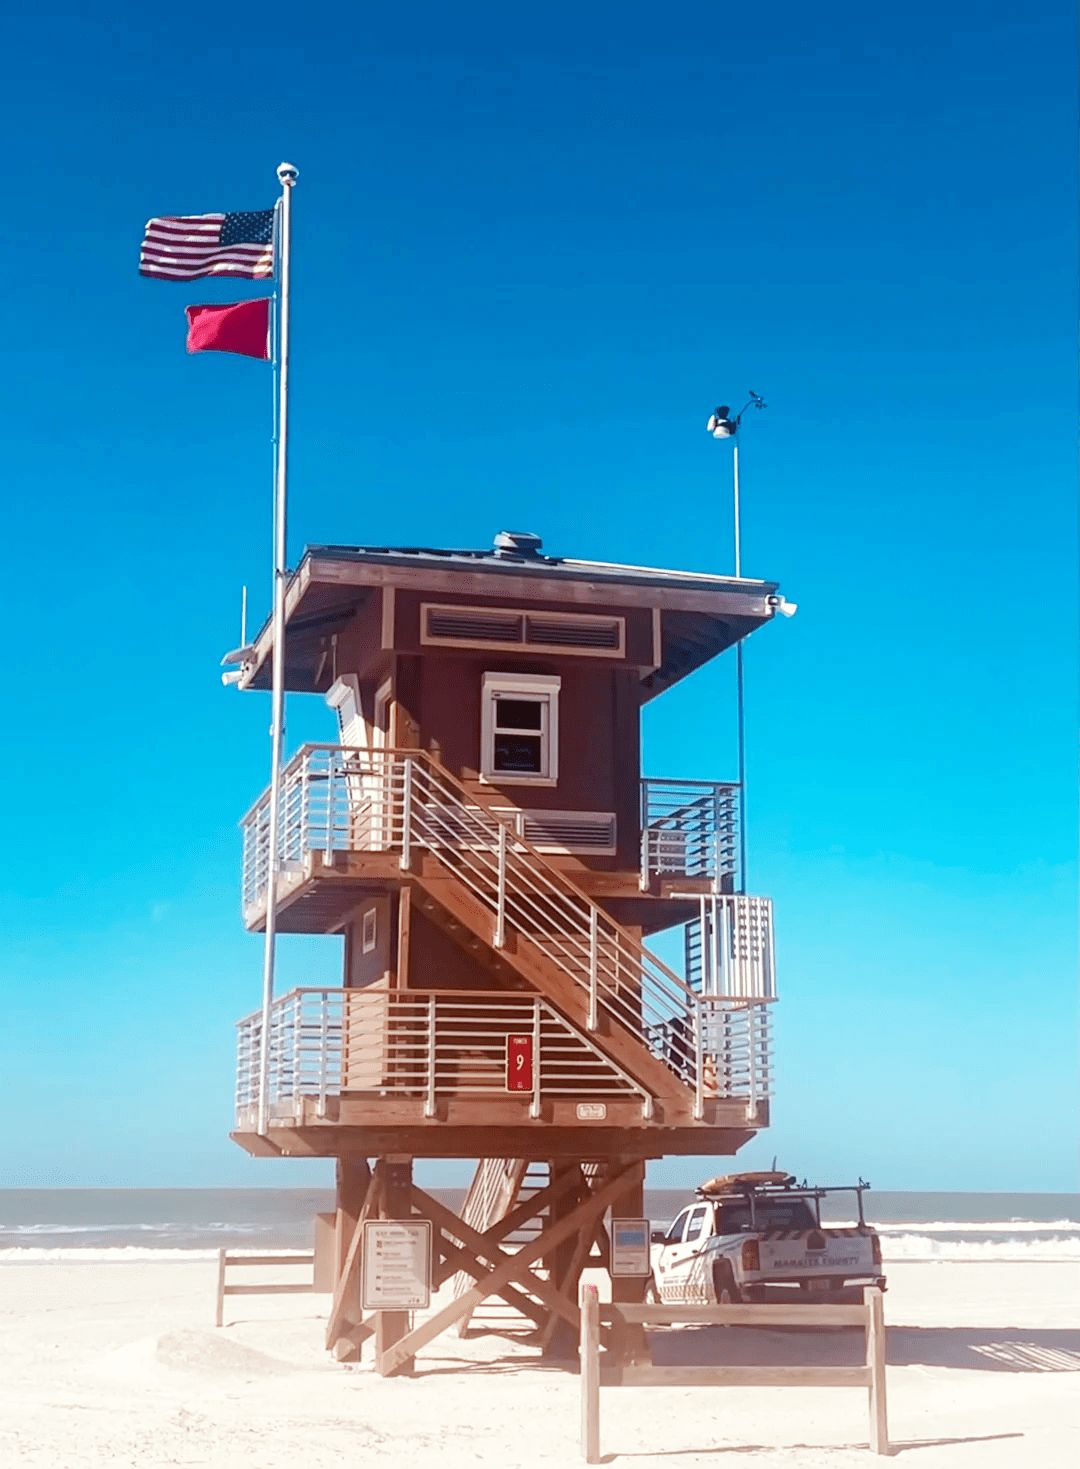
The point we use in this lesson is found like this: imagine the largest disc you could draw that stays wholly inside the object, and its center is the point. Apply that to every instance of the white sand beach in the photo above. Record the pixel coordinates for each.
(120, 1364)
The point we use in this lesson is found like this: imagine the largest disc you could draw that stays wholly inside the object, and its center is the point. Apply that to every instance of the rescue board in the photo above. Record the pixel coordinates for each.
(728, 1181)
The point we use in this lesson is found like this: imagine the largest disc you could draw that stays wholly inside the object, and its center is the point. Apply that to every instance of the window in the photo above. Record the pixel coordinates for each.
(519, 734)
(696, 1222)
(368, 931)
(675, 1233)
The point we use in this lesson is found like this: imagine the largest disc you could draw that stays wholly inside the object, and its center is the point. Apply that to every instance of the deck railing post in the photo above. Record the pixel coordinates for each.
(699, 1062)
(406, 815)
(324, 1044)
(643, 880)
(429, 1103)
(594, 966)
(328, 851)
(534, 1106)
(500, 912)
(752, 1045)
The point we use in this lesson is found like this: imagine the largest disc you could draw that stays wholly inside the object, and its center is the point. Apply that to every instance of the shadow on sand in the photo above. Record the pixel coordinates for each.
(898, 1446)
(978, 1349)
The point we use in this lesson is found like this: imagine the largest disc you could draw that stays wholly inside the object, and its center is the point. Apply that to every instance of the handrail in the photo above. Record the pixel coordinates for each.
(404, 801)
(420, 1043)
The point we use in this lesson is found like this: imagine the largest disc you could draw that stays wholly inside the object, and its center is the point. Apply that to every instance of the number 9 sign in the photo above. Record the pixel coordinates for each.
(519, 1063)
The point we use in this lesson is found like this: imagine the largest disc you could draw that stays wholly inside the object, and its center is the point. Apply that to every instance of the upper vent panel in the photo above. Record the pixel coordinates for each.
(510, 628)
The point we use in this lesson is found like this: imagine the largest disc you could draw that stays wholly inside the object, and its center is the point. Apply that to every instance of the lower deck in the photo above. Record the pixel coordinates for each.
(473, 1129)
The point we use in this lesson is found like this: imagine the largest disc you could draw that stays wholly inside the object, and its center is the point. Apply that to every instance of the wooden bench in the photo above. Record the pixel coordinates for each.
(597, 1371)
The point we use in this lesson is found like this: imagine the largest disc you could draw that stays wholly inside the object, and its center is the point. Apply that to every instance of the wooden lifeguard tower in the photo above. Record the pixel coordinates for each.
(483, 838)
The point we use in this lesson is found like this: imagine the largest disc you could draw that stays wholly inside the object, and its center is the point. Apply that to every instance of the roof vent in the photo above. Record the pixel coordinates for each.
(517, 543)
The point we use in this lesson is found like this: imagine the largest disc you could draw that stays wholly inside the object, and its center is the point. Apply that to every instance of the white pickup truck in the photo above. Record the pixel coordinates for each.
(759, 1237)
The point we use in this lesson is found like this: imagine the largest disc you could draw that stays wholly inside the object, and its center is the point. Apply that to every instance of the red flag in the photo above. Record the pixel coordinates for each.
(242, 327)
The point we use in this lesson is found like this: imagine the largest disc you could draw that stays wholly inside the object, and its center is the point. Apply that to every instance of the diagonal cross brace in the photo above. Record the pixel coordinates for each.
(583, 1215)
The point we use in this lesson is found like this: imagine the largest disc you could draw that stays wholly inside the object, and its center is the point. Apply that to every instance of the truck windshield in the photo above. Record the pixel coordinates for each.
(769, 1213)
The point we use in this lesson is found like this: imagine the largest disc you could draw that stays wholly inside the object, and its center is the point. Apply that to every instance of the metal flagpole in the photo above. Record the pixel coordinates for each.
(740, 693)
(287, 176)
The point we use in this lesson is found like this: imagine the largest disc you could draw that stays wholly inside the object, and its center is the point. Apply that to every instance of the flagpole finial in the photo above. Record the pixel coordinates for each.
(287, 174)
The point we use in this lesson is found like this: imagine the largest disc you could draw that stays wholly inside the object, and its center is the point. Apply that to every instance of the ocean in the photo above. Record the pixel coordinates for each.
(158, 1224)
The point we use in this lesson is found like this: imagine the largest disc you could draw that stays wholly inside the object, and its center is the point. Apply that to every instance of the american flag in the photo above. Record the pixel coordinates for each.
(182, 247)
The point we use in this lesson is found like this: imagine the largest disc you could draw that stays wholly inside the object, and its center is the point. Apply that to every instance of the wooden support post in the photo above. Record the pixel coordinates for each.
(564, 1261)
(631, 1343)
(345, 1311)
(875, 1361)
(353, 1191)
(589, 1352)
(219, 1315)
(391, 1326)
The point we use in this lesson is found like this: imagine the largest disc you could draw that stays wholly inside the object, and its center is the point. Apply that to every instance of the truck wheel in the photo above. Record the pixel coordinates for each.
(725, 1291)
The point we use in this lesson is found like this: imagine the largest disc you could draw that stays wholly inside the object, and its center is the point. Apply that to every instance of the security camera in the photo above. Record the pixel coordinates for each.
(287, 173)
(785, 608)
(234, 675)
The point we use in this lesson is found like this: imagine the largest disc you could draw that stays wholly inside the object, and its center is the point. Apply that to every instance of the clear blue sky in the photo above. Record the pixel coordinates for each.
(533, 248)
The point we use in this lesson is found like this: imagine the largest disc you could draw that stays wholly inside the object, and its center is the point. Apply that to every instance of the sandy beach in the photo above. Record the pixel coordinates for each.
(118, 1363)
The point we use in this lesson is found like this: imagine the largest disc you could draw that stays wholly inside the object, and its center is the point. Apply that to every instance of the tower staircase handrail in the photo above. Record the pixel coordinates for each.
(405, 801)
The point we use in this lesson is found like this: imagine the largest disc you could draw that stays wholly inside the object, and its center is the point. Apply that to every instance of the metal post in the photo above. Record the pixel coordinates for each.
(500, 913)
(534, 1107)
(594, 964)
(406, 815)
(287, 176)
(328, 857)
(429, 1104)
(644, 877)
(740, 701)
(324, 1038)
(699, 1063)
(752, 1056)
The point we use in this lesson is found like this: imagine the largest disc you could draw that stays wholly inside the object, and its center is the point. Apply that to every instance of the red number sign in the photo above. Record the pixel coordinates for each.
(519, 1063)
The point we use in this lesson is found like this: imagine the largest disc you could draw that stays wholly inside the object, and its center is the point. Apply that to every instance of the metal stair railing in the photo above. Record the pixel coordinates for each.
(689, 828)
(337, 798)
(423, 1044)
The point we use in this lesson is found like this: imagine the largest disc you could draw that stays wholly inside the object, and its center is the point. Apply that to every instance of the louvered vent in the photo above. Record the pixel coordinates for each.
(473, 625)
(572, 632)
(601, 633)
(567, 831)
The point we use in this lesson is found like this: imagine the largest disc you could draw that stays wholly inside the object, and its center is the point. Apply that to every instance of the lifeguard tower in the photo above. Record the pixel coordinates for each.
(483, 838)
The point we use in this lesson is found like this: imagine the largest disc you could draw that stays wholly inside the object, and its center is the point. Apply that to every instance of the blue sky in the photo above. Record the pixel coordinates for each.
(533, 249)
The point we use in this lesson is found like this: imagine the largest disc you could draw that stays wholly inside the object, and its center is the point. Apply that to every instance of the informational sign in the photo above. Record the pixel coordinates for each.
(396, 1273)
(519, 1063)
(591, 1111)
(630, 1247)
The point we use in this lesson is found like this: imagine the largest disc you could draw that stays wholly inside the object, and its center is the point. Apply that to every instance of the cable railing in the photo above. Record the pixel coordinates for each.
(402, 801)
(689, 828)
(427, 1045)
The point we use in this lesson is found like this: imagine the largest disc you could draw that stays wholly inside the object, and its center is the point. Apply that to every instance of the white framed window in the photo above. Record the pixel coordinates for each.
(519, 729)
(369, 931)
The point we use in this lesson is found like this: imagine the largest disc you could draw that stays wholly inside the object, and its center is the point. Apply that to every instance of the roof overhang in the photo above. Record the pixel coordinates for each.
(701, 615)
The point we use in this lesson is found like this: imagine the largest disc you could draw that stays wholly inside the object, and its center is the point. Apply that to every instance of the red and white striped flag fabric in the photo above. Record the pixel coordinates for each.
(183, 247)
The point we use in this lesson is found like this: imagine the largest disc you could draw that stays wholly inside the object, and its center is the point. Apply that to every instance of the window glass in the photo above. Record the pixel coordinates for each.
(514, 752)
(770, 1214)
(695, 1222)
(519, 714)
(675, 1233)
